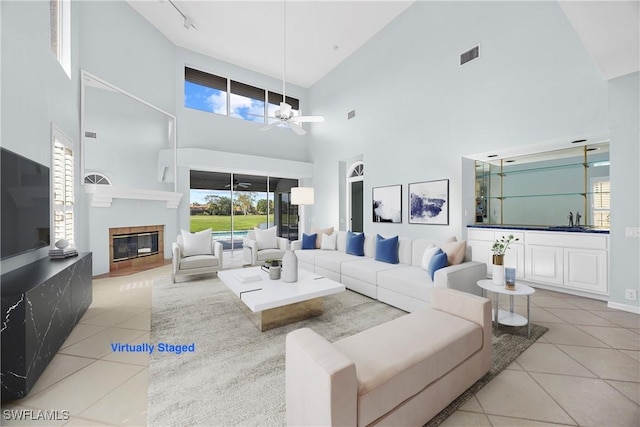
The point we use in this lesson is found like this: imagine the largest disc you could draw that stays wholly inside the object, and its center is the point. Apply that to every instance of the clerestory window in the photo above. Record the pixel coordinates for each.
(215, 94)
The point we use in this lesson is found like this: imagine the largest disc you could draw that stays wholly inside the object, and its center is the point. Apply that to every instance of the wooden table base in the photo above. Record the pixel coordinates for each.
(285, 315)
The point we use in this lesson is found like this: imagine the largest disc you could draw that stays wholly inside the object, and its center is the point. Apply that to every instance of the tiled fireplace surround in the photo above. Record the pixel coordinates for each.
(142, 260)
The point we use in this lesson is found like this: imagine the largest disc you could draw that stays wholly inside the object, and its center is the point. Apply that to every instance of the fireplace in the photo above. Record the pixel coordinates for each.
(135, 246)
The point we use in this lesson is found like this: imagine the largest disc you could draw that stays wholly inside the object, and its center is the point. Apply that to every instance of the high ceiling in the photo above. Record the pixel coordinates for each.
(322, 33)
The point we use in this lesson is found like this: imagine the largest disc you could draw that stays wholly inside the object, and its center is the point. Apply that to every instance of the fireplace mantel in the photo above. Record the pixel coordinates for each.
(103, 195)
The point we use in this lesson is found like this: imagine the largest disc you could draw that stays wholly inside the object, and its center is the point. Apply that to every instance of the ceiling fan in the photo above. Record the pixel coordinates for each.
(237, 184)
(285, 115)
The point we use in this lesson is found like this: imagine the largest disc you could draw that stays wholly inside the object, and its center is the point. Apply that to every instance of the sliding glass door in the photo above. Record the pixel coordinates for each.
(233, 204)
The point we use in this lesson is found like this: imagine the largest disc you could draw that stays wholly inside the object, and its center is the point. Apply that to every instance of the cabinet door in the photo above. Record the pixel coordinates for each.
(586, 270)
(514, 258)
(544, 264)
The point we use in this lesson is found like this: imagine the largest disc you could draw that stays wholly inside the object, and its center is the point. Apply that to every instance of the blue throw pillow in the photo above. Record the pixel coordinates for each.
(438, 261)
(309, 241)
(387, 249)
(355, 243)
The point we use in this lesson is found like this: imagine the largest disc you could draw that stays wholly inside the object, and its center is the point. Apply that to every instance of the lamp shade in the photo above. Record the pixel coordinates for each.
(302, 196)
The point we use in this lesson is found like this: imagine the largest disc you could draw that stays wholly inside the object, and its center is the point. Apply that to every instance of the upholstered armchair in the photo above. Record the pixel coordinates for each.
(195, 258)
(261, 245)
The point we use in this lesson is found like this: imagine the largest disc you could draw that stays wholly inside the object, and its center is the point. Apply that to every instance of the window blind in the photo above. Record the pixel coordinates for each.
(276, 98)
(248, 91)
(205, 79)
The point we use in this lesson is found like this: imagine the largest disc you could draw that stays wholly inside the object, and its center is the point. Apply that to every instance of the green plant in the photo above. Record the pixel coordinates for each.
(501, 245)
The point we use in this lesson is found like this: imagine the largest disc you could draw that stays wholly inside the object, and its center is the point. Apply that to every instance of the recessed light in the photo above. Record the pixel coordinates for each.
(492, 155)
(577, 141)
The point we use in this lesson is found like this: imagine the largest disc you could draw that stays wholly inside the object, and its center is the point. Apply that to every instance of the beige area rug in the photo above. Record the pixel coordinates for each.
(235, 377)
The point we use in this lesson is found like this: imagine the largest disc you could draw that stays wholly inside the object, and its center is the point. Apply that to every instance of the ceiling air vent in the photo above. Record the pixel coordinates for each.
(90, 135)
(470, 55)
(351, 114)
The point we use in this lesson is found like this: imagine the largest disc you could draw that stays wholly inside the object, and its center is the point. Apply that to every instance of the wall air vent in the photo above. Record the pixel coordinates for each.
(470, 55)
(351, 114)
(90, 135)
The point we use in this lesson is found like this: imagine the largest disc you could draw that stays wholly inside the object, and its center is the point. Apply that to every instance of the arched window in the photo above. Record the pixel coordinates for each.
(96, 178)
(356, 170)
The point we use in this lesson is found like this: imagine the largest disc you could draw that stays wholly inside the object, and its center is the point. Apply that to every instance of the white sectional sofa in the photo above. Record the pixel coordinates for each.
(399, 373)
(405, 285)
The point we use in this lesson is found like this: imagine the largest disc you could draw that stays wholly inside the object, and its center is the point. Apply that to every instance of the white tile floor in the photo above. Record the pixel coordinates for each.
(584, 371)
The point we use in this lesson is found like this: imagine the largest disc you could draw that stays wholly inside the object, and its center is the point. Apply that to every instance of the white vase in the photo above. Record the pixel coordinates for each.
(498, 275)
(289, 267)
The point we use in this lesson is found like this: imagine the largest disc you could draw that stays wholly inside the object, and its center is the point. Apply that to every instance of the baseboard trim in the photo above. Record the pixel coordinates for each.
(624, 307)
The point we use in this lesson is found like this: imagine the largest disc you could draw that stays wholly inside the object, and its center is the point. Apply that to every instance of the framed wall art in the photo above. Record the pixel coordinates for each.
(429, 202)
(387, 204)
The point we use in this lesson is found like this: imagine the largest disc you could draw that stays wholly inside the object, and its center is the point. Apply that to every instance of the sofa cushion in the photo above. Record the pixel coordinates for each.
(329, 242)
(366, 269)
(355, 243)
(387, 249)
(332, 260)
(198, 261)
(397, 359)
(309, 241)
(198, 243)
(267, 239)
(455, 251)
(320, 232)
(438, 261)
(411, 281)
(309, 255)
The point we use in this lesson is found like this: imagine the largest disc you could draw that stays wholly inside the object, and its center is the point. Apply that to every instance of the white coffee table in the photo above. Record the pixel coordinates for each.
(504, 317)
(273, 303)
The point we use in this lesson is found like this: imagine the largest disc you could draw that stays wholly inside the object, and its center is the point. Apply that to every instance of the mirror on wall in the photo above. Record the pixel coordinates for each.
(125, 138)
(560, 188)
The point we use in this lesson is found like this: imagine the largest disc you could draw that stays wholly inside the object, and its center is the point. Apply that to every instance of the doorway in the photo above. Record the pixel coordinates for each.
(355, 196)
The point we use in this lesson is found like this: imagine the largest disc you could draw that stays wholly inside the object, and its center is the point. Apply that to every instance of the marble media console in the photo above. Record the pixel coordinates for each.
(41, 304)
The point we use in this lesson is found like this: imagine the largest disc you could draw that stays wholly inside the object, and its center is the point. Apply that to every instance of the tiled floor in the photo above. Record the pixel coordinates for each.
(584, 371)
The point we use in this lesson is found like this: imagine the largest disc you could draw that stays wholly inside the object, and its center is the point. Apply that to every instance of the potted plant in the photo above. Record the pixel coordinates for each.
(499, 248)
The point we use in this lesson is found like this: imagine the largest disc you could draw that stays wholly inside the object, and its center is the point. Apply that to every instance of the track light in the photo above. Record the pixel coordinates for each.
(188, 21)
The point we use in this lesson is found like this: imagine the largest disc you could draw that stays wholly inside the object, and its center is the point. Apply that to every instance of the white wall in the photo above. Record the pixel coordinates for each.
(624, 110)
(418, 112)
(35, 93)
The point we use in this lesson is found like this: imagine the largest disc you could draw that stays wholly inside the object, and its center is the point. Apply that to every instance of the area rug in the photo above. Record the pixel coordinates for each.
(235, 374)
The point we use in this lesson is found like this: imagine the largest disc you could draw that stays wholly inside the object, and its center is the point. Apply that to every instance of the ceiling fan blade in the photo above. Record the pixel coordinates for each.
(307, 119)
(272, 125)
(296, 128)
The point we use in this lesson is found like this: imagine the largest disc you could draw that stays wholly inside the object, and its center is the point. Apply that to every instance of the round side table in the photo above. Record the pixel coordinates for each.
(504, 317)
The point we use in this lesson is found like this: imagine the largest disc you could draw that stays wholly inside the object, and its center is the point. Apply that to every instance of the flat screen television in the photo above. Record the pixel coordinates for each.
(25, 205)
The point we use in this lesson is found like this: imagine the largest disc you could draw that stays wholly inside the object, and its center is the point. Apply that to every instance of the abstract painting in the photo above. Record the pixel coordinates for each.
(429, 202)
(387, 204)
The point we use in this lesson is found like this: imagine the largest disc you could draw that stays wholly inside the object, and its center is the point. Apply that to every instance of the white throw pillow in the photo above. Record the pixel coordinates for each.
(267, 239)
(427, 255)
(329, 241)
(198, 243)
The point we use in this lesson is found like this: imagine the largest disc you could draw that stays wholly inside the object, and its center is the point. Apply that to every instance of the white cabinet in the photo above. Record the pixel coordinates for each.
(481, 242)
(586, 270)
(544, 264)
(566, 261)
